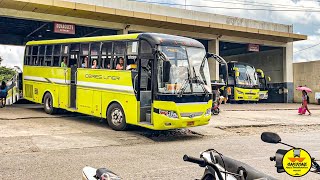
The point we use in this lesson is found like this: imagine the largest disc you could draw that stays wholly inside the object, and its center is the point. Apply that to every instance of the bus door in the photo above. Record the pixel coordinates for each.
(146, 62)
(74, 62)
(145, 90)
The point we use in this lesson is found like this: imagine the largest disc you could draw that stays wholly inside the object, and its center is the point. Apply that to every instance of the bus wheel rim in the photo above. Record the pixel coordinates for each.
(116, 117)
(48, 106)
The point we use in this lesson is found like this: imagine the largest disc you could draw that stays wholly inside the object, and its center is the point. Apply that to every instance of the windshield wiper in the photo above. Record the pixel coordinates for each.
(184, 85)
(200, 82)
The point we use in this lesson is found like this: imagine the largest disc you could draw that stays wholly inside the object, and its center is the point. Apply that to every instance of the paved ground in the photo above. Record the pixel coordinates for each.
(34, 145)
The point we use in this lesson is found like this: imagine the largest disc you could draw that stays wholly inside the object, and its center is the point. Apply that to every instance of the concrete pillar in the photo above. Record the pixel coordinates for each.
(213, 47)
(122, 31)
(288, 73)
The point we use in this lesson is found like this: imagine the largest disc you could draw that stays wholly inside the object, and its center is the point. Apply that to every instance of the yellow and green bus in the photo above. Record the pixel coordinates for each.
(242, 85)
(263, 85)
(151, 80)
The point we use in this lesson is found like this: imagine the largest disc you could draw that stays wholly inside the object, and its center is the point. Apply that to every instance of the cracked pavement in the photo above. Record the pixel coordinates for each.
(34, 145)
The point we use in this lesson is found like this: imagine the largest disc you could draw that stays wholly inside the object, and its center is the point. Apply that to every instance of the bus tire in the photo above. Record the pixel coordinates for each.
(116, 117)
(48, 104)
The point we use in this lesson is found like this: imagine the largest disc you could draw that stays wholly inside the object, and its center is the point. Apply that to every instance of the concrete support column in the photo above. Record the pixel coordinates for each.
(288, 73)
(122, 31)
(213, 47)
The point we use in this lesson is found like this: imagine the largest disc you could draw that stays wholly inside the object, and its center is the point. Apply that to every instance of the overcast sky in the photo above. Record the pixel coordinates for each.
(304, 22)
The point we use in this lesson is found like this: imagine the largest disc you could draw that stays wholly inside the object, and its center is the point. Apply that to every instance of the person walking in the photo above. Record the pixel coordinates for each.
(3, 94)
(305, 101)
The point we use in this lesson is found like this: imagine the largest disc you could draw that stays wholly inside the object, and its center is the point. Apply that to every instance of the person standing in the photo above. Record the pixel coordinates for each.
(305, 98)
(3, 94)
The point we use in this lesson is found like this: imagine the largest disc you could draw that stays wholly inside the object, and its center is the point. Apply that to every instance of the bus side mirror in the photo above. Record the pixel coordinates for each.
(166, 71)
(269, 78)
(236, 71)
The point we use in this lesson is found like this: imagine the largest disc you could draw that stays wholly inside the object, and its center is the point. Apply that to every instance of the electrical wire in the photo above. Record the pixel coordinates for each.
(224, 7)
(308, 48)
(252, 3)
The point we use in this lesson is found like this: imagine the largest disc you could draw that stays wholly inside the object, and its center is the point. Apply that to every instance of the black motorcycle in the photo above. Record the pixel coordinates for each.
(270, 137)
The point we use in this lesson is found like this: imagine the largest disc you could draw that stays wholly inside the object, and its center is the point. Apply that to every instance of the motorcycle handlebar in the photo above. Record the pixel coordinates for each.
(195, 160)
(202, 163)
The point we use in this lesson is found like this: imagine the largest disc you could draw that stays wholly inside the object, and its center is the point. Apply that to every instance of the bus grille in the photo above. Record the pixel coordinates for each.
(191, 114)
(29, 91)
(251, 93)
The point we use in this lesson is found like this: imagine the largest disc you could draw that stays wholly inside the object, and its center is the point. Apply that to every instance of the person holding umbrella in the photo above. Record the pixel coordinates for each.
(305, 98)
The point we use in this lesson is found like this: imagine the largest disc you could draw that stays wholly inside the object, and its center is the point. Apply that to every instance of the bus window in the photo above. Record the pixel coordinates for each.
(119, 54)
(94, 55)
(41, 55)
(132, 48)
(48, 58)
(132, 55)
(64, 56)
(28, 55)
(74, 55)
(56, 55)
(29, 50)
(35, 51)
(145, 47)
(106, 52)
(84, 53)
(65, 50)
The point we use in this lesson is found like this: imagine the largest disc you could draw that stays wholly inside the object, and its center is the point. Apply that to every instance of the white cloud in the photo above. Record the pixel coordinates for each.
(12, 55)
(305, 22)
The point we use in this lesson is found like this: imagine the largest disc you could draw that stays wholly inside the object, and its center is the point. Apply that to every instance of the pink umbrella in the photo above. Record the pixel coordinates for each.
(301, 88)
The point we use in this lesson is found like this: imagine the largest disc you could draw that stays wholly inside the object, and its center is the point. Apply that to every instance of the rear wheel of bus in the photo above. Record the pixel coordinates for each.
(116, 117)
(48, 104)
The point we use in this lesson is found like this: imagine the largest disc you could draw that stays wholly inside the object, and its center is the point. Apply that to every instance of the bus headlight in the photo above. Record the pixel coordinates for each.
(239, 92)
(170, 114)
(208, 112)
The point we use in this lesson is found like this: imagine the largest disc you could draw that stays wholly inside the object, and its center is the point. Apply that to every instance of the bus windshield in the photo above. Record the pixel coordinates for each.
(262, 83)
(247, 77)
(185, 65)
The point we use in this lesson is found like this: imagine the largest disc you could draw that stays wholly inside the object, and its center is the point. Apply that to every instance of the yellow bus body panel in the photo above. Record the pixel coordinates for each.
(98, 88)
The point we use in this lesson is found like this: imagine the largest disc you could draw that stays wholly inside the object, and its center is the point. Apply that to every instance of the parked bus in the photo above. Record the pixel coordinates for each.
(242, 82)
(151, 80)
(263, 85)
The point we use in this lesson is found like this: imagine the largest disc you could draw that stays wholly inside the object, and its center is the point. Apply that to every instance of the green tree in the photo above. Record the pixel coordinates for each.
(6, 73)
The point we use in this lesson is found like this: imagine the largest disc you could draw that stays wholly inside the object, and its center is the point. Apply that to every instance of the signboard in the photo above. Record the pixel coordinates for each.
(64, 28)
(253, 47)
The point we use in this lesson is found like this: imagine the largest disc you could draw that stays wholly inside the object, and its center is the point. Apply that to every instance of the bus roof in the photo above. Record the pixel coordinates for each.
(152, 38)
(85, 39)
(240, 63)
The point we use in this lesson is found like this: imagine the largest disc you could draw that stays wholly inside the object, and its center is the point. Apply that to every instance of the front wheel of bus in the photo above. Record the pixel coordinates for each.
(48, 104)
(116, 117)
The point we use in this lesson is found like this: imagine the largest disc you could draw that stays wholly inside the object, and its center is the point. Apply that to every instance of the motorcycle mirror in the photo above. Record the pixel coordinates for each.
(270, 137)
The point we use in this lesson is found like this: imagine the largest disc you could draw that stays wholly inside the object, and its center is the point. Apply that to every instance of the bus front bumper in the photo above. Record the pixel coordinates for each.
(162, 122)
(181, 115)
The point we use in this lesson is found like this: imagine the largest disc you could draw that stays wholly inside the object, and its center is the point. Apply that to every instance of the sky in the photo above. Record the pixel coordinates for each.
(305, 22)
